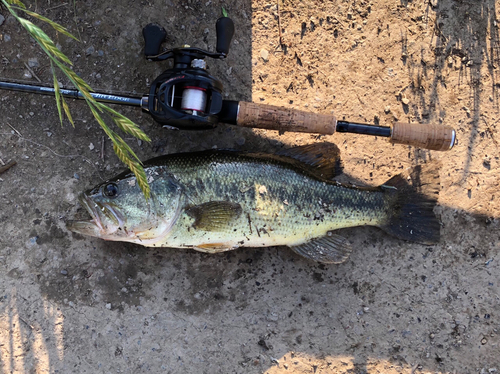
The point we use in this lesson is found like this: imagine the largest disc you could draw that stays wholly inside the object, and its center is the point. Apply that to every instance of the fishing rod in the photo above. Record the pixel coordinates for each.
(187, 97)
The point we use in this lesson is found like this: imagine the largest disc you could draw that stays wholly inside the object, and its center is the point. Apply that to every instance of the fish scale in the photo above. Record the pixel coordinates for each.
(216, 201)
(290, 205)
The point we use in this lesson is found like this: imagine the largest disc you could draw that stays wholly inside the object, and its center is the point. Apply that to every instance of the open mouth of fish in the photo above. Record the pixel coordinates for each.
(104, 218)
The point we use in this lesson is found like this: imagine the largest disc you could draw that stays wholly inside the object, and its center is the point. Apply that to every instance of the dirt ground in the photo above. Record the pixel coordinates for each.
(72, 304)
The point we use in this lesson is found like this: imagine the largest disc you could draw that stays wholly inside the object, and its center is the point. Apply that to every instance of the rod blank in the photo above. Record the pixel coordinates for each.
(74, 94)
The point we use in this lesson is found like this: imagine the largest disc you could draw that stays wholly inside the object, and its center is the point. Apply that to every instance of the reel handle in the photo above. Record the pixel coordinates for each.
(224, 28)
(154, 35)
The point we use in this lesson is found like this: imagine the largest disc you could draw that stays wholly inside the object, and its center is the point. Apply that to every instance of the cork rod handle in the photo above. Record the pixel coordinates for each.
(271, 117)
(433, 137)
(263, 116)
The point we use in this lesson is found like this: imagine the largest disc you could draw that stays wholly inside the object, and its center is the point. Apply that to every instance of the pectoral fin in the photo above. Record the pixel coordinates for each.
(214, 215)
(331, 249)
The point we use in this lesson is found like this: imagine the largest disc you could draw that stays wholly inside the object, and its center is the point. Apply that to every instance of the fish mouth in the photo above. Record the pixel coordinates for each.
(105, 219)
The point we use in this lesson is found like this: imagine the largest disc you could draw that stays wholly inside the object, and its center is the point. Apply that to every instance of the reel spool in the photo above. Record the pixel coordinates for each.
(186, 99)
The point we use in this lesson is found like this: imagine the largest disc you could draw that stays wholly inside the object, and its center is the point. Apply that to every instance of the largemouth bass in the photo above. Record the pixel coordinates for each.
(216, 201)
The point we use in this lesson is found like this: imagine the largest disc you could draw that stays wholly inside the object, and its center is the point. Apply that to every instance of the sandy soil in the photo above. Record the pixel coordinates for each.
(82, 305)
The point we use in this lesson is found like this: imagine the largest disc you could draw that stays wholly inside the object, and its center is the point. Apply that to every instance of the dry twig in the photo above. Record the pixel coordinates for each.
(279, 23)
(32, 72)
(10, 164)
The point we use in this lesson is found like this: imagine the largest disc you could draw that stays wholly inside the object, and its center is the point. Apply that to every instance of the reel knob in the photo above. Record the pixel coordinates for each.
(154, 35)
(225, 31)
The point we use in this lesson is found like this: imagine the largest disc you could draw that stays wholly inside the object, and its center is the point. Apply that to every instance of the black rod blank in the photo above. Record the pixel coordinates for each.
(74, 94)
(359, 128)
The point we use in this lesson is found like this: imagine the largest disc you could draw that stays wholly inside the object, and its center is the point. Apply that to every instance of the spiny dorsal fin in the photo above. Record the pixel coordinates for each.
(214, 215)
(331, 249)
(322, 159)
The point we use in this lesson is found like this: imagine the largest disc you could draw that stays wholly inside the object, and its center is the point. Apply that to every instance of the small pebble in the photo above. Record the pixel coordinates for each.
(89, 50)
(387, 109)
(487, 162)
(484, 341)
(405, 101)
(76, 176)
(27, 74)
(264, 54)
(33, 62)
(108, 306)
(64, 272)
(91, 146)
(6, 38)
(2, 19)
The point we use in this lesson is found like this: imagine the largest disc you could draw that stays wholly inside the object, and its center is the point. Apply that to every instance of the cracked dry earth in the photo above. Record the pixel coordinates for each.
(74, 304)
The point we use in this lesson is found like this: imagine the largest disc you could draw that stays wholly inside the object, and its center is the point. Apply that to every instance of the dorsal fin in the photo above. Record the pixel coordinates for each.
(320, 159)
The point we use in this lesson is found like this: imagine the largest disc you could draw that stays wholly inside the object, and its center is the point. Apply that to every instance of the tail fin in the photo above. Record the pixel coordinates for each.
(411, 215)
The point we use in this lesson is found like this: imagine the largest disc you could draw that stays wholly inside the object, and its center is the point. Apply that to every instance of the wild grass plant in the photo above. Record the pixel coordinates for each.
(60, 61)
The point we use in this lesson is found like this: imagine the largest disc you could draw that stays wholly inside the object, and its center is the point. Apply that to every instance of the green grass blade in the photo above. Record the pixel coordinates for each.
(55, 25)
(79, 82)
(57, 94)
(125, 124)
(135, 168)
(66, 110)
(16, 2)
(127, 147)
(101, 122)
(131, 128)
(40, 36)
(142, 179)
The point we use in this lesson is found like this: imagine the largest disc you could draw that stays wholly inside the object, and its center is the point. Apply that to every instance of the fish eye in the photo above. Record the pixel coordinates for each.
(110, 190)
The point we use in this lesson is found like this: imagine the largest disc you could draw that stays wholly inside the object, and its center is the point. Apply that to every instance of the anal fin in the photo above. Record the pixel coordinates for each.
(214, 247)
(331, 249)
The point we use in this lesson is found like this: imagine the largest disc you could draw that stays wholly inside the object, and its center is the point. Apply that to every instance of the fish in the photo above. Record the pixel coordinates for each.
(219, 200)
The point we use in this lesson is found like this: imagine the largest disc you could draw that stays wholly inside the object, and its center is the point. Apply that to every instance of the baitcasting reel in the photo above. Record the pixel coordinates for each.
(186, 96)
